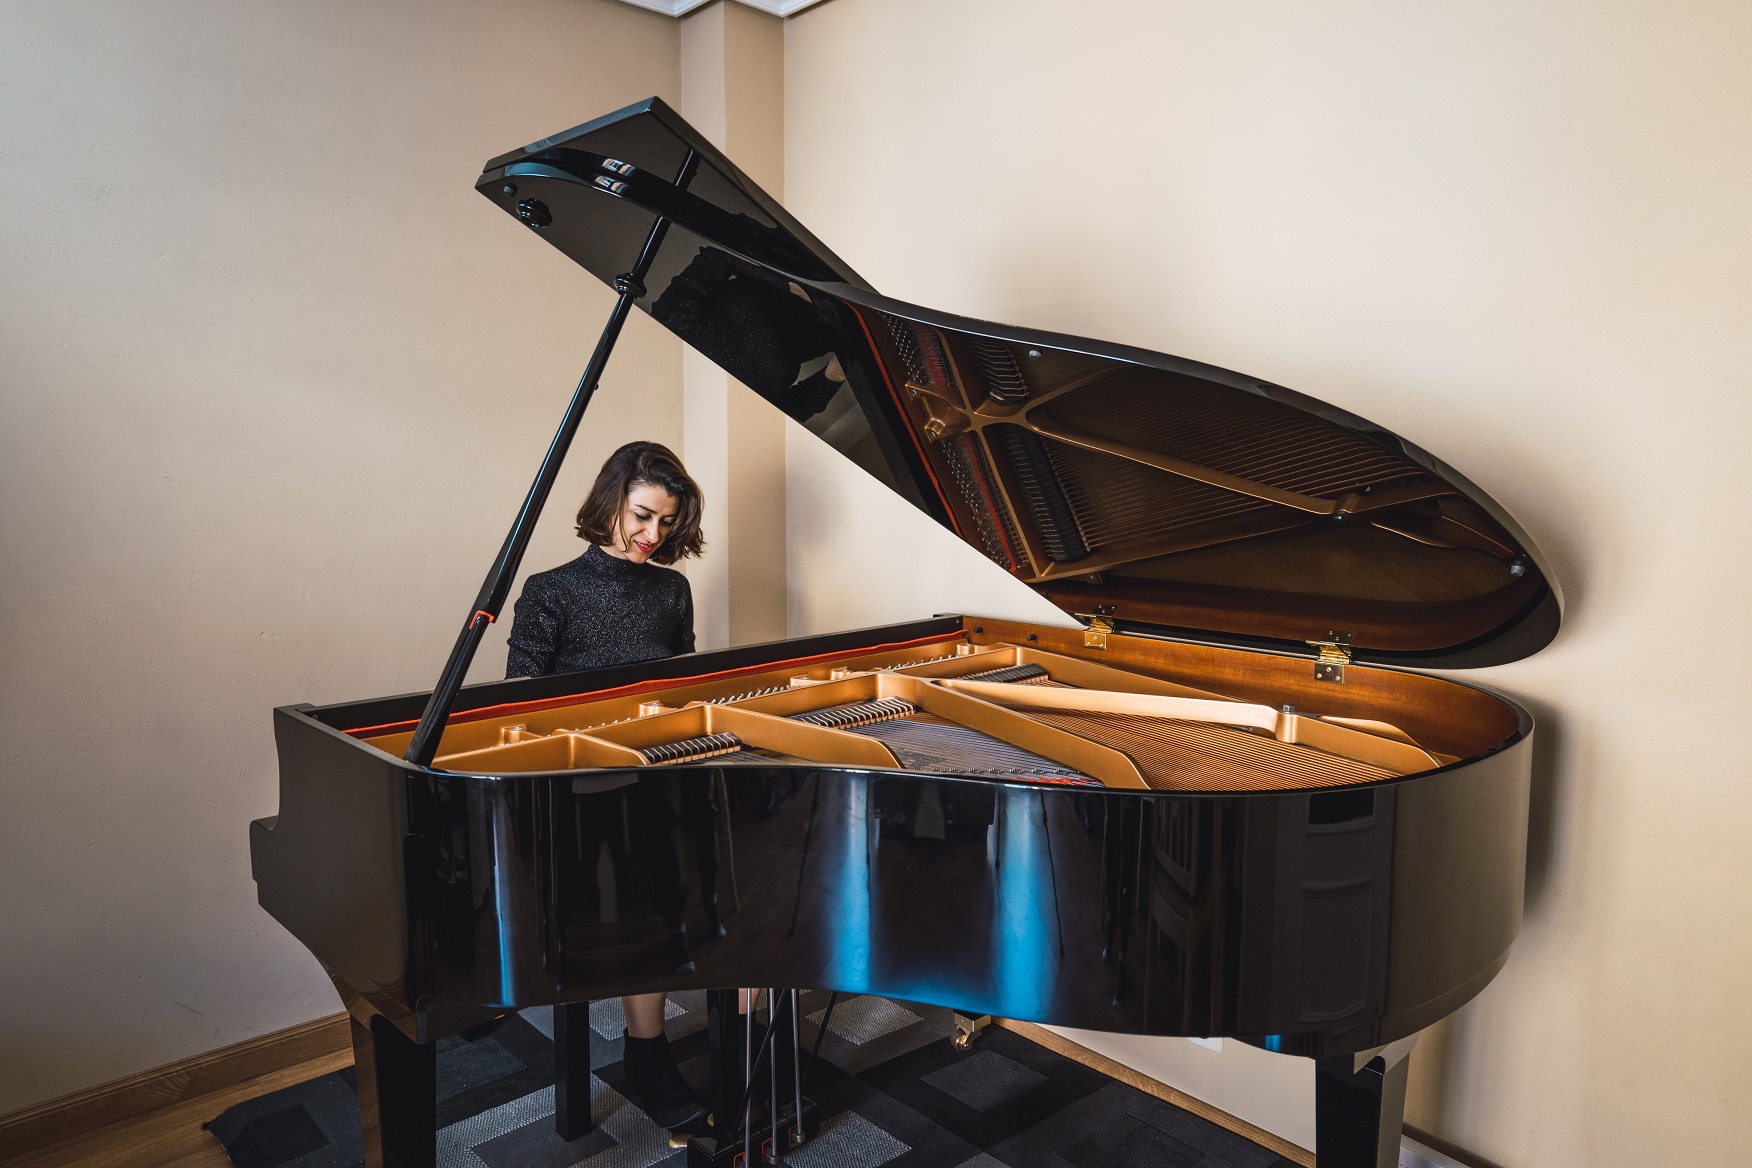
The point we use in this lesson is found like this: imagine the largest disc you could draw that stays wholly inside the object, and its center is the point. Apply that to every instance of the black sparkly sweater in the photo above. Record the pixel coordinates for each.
(599, 610)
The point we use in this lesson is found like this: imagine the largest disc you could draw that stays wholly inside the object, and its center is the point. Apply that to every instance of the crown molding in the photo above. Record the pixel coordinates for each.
(683, 7)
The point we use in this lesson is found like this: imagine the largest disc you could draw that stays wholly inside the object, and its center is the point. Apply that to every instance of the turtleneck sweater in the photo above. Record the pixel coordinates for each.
(599, 610)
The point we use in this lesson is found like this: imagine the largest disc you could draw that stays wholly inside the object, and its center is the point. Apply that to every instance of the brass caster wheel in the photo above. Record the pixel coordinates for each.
(967, 1030)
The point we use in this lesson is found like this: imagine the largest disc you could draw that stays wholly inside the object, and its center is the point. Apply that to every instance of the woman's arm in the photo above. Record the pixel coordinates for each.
(535, 632)
(683, 641)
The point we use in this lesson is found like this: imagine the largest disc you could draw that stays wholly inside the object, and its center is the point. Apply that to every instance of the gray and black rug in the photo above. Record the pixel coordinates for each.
(892, 1089)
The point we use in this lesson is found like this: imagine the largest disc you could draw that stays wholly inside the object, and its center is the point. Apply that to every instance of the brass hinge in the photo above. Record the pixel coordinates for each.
(1100, 624)
(1333, 654)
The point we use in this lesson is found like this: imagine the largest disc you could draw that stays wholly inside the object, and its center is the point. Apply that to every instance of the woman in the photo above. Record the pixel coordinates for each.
(611, 606)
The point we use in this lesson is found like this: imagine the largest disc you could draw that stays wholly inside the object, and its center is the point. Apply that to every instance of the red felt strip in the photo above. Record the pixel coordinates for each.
(640, 687)
(888, 380)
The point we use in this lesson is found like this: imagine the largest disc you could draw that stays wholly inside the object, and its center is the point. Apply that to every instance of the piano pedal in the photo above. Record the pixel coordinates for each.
(705, 1151)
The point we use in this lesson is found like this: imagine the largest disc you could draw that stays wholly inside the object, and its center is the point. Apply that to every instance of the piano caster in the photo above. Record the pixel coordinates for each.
(967, 1029)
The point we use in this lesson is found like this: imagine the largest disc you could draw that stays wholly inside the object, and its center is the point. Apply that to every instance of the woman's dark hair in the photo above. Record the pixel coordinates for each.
(656, 465)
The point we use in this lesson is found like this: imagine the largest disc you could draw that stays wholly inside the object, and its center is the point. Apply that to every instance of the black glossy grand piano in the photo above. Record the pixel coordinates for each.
(1225, 805)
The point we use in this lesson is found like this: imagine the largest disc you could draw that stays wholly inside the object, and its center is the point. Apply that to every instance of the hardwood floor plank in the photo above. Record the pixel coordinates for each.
(151, 1091)
(171, 1137)
(1076, 1052)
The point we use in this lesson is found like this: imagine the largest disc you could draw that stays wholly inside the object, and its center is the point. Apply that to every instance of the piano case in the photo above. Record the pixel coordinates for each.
(1225, 805)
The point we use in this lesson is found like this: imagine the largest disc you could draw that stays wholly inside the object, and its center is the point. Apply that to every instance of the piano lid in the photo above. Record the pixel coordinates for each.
(1172, 496)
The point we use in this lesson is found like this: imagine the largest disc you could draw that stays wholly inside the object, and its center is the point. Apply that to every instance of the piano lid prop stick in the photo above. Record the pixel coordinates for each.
(491, 600)
(1284, 725)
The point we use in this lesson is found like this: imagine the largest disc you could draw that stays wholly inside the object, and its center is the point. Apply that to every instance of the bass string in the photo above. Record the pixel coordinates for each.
(690, 749)
(926, 742)
(852, 714)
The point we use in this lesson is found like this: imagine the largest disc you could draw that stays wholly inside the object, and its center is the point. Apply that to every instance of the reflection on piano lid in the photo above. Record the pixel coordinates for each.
(1173, 495)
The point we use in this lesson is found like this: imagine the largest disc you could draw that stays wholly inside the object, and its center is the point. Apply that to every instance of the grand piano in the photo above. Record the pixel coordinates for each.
(1226, 804)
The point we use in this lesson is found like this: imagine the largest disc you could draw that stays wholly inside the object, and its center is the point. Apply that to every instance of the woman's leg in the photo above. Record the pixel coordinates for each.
(652, 1078)
(644, 1014)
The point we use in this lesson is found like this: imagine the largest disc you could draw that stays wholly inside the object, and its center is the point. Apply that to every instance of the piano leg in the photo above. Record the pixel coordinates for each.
(1359, 1107)
(572, 1070)
(728, 1047)
(398, 1095)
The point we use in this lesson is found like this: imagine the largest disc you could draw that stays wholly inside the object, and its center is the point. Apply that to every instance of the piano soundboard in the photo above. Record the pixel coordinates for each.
(996, 711)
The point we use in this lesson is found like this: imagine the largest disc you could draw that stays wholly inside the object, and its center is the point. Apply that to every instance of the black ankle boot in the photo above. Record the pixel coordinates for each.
(654, 1083)
(714, 922)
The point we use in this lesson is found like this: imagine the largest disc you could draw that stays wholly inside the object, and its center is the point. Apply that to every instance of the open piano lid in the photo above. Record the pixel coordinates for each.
(1171, 496)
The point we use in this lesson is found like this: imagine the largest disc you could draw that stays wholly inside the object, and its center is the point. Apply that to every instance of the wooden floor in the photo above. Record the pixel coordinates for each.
(172, 1136)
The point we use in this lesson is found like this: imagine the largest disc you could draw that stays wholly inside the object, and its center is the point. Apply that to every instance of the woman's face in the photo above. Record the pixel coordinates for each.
(647, 514)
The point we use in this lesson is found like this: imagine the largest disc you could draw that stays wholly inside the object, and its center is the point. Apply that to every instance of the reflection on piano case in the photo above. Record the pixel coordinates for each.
(1215, 810)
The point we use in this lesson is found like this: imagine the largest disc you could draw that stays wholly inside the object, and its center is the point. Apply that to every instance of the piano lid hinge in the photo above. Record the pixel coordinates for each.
(1100, 624)
(1331, 656)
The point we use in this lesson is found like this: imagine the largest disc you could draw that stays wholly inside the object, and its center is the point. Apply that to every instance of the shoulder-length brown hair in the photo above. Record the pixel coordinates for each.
(656, 465)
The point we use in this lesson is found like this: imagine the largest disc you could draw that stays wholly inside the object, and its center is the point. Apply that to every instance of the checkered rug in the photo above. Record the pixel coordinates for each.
(892, 1089)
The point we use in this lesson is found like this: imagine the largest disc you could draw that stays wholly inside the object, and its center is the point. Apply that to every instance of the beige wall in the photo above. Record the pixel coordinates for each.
(1515, 233)
(274, 380)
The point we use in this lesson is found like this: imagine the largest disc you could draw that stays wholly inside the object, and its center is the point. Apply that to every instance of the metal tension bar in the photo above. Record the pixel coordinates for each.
(491, 599)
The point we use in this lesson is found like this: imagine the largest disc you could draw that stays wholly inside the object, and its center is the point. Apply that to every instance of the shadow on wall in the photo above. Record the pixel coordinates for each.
(1438, 1054)
(1551, 782)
